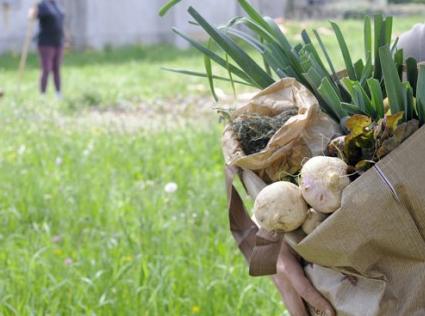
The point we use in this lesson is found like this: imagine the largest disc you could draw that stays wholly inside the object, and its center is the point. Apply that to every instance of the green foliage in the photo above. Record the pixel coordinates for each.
(377, 99)
(345, 53)
(420, 94)
(255, 73)
(304, 63)
(166, 7)
(392, 81)
(87, 227)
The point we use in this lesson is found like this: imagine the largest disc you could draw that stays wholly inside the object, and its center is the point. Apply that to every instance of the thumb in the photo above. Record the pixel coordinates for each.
(290, 268)
(313, 298)
(295, 274)
(293, 302)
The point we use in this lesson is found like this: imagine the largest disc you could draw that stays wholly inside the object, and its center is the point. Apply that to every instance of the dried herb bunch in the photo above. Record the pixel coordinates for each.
(254, 131)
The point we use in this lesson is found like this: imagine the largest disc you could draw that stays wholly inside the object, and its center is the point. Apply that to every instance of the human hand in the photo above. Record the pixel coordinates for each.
(295, 288)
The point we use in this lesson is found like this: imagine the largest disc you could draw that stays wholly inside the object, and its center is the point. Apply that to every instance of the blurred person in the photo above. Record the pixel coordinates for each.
(50, 41)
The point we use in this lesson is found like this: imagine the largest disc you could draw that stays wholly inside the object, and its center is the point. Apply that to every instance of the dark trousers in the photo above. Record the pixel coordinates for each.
(50, 61)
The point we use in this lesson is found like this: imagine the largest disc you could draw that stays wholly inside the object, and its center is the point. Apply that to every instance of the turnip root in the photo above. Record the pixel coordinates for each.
(313, 220)
(336, 147)
(280, 207)
(322, 181)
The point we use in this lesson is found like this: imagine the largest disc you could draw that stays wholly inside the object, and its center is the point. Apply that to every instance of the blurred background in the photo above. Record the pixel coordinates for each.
(96, 23)
(112, 198)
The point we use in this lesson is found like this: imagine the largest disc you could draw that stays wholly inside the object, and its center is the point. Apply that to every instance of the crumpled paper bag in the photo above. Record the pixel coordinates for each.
(301, 137)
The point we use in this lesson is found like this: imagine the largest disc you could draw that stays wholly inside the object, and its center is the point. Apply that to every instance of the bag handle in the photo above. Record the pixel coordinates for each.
(260, 248)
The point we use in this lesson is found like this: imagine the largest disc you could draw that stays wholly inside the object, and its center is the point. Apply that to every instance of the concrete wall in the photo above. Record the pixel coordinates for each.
(76, 22)
(13, 24)
(125, 22)
(96, 23)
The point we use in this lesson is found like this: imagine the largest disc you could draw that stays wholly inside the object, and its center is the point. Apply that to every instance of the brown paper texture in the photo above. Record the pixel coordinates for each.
(377, 236)
(302, 136)
(367, 258)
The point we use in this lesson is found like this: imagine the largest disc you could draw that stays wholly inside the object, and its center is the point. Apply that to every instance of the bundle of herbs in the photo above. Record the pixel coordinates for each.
(378, 102)
(384, 123)
(254, 130)
(352, 97)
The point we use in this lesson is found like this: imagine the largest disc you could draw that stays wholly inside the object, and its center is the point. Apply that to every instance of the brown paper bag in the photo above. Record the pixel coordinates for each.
(350, 294)
(369, 256)
(302, 136)
(377, 235)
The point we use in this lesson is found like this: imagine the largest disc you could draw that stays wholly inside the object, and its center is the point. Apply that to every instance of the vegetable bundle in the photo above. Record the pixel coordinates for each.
(322, 152)
(379, 89)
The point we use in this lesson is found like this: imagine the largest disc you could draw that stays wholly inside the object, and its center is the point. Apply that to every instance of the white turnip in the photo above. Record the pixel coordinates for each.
(322, 181)
(313, 220)
(280, 207)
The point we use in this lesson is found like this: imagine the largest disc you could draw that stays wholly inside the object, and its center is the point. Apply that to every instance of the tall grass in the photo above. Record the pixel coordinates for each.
(87, 227)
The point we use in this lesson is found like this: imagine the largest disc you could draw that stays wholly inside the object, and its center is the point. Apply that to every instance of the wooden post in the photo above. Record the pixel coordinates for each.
(25, 50)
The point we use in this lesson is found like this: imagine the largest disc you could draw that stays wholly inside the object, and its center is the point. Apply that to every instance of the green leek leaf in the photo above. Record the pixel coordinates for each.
(408, 101)
(412, 73)
(420, 94)
(328, 94)
(392, 81)
(213, 56)
(367, 38)
(325, 52)
(252, 69)
(204, 75)
(376, 96)
(345, 52)
(166, 7)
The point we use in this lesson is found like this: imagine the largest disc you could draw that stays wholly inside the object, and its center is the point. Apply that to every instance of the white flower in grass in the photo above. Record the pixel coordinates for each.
(88, 150)
(170, 187)
(21, 150)
(58, 161)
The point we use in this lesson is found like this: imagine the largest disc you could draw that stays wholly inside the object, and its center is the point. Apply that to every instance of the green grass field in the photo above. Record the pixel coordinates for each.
(87, 227)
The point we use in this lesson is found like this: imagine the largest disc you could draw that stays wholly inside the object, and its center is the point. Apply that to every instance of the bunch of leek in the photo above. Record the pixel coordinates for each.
(360, 89)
